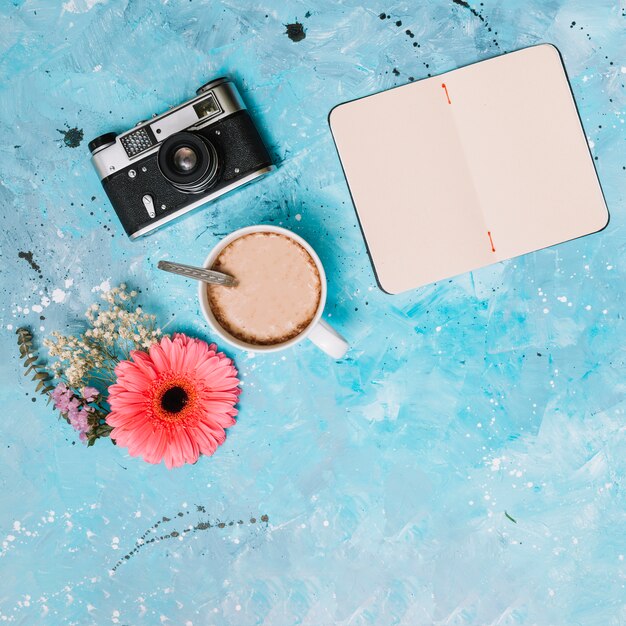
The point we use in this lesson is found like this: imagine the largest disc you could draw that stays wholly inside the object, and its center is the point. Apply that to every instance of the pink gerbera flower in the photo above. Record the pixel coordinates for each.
(174, 402)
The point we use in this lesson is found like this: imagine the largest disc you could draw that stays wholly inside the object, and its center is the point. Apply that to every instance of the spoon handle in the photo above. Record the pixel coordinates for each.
(198, 273)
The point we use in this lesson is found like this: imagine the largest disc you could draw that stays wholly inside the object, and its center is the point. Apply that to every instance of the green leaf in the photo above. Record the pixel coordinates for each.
(104, 430)
(29, 361)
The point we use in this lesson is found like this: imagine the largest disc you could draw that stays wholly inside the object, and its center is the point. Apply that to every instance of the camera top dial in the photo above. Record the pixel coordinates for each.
(103, 140)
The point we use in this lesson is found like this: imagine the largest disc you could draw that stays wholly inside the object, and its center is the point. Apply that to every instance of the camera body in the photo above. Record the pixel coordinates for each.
(175, 162)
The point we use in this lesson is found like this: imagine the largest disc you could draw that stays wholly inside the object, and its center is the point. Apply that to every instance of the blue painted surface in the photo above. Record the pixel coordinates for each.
(385, 477)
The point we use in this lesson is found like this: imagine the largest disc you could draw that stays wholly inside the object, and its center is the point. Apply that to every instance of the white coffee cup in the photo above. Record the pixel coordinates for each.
(318, 331)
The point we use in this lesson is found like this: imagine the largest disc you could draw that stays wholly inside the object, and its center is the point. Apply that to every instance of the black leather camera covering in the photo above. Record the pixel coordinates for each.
(238, 145)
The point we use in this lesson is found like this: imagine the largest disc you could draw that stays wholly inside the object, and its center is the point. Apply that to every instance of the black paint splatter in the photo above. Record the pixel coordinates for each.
(72, 137)
(144, 541)
(28, 257)
(473, 11)
(396, 71)
(295, 32)
(383, 16)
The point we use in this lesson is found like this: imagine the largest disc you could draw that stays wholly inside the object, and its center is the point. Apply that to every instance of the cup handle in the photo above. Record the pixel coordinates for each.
(326, 338)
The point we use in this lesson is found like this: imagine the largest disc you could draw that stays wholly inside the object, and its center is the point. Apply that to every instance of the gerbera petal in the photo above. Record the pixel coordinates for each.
(188, 447)
(206, 441)
(158, 356)
(139, 438)
(213, 428)
(231, 396)
(124, 398)
(182, 339)
(168, 455)
(154, 430)
(194, 353)
(215, 406)
(156, 444)
(144, 363)
(224, 420)
(133, 417)
(176, 451)
(134, 380)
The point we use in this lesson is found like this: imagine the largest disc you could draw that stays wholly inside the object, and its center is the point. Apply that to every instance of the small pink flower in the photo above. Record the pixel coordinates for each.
(90, 393)
(174, 402)
(72, 408)
(79, 420)
(61, 397)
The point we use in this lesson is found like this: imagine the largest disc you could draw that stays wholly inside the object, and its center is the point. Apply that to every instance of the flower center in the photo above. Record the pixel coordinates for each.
(174, 400)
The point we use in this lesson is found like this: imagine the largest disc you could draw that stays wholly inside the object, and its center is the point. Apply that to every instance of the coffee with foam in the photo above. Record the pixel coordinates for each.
(278, 292)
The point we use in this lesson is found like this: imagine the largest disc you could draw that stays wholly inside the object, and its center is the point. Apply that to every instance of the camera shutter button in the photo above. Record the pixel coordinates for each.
(149, 204)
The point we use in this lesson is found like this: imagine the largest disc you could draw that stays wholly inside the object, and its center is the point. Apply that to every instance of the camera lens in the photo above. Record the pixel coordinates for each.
(185, 159)
(189, 162)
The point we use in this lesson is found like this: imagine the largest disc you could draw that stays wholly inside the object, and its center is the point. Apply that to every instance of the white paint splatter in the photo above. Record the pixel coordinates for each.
(58, 295)
(37, 308)
(495, 464)
(80, 6)
(104, 286)
(69, 282)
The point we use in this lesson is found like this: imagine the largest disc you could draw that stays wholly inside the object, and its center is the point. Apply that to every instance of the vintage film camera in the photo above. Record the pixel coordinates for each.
(177, 161)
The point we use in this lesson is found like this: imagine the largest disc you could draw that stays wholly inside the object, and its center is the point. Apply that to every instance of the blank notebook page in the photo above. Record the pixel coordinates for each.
(475, 166)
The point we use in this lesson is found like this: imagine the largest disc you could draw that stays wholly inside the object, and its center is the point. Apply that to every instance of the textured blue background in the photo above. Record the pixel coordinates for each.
(385, 477)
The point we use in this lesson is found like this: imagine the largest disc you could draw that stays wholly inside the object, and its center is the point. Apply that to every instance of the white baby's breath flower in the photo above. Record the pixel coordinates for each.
(114, 329)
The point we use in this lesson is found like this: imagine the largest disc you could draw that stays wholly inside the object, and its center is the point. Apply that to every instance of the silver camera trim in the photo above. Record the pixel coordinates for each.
(152, 226)
(111, 158)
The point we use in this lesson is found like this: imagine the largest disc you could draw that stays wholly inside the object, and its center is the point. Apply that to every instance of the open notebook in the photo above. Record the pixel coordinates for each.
(474, 166)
